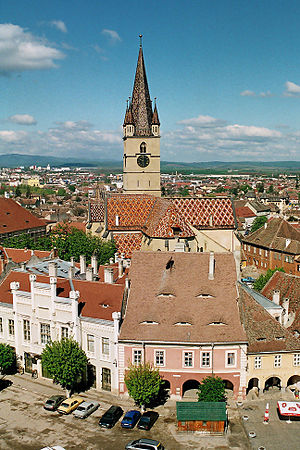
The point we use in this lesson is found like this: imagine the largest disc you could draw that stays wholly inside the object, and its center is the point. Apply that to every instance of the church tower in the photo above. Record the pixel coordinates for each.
(141, 161)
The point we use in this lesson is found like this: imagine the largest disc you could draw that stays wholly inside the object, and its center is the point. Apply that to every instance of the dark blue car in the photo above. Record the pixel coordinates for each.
(130, 419)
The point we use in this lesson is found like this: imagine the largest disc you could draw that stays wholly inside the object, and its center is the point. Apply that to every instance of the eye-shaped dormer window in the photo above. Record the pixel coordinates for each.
(143, 147)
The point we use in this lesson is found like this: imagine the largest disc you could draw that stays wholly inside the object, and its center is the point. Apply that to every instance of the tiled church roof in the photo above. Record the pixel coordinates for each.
(206, 212)
(127, 243)
(141, 102)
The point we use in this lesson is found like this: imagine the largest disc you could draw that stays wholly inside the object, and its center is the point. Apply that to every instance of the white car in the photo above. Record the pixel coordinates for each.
(85, 409)
(55, 447)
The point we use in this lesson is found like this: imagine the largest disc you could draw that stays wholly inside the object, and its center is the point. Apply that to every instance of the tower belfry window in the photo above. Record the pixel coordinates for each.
(143, 147)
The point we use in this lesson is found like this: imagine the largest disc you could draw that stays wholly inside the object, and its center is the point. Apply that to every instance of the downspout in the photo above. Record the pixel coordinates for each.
(212, 359)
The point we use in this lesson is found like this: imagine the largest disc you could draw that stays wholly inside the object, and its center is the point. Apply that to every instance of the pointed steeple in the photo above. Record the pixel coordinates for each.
(155, 119)
(141, 103)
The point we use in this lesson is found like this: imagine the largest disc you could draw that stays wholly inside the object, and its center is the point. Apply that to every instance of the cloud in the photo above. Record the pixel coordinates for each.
(23, 119)
(291, 89)
(203, 121)
(247, 93)
(112, 35)
(12, 137)
(60, 25)
(20, 51)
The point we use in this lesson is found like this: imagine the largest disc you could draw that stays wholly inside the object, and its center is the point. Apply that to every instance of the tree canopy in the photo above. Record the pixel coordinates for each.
(7, 358)
(262, 280)
(69, 242)
(65, 361)
(258, 223)
(211, 389)
(143, 383)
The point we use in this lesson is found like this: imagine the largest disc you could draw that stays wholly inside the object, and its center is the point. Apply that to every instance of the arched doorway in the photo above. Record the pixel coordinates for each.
(272, 383)
(166, 385)
(293, 380)
(189, 388)
(228, 388)
(252, 383)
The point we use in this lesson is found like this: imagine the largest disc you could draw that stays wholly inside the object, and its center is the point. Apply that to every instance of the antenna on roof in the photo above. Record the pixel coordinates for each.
(141, 40)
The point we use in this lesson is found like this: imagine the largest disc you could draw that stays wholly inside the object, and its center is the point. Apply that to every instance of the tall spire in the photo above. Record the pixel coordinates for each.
(141, 103)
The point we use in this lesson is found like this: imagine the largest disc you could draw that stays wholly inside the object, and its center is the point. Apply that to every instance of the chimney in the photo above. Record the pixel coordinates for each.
(55, 252)
(71, 272)
(179, 246)
(276, 297)
(72, 261)
(94, 263)
(211, 269)
(53, 282)
(117, 221)
(266, 224)
(120, 268)
(52, 267)
(23, 266)
(111, 261)
(116, 257)
(285, 313)
(82, 264)
(127, 283)
(108, 275)
(89, 274)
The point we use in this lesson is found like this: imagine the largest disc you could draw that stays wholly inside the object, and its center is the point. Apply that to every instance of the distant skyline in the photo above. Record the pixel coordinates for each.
(226, 75)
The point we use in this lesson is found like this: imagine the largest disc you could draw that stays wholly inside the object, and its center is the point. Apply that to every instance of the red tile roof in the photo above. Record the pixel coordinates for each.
(99, 300)
(131, 211)
(289, 287)
(264, 332)
(244, 212)
(170, 297)
(127, 243)
(15, 218)
(275, 237)
(19, 255)
(206, 212)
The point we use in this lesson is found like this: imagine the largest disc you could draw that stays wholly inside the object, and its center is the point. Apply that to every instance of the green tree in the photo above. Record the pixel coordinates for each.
(28, 192)
(260, 187)
(72, 188)
(61, 192)
(66, 362)
(18, 192)
(211, 389)
(271, 189)
(262, 280)
(258, 223)
(143, 383)
(7, 359)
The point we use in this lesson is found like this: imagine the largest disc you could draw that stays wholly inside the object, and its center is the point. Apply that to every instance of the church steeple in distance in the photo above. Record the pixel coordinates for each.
(141, 168)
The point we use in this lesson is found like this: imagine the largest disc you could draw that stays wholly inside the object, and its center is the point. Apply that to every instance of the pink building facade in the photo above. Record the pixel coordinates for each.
(184, 366)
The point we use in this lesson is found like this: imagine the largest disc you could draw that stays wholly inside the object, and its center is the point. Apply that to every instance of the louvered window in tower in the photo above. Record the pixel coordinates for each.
(143, 147)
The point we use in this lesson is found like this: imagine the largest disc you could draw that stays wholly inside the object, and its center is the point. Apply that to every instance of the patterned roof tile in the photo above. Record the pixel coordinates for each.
(206, 212)
(127, 243)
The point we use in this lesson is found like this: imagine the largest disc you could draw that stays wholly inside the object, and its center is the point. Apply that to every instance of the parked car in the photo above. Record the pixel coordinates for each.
(55, 447)
(130, 419)
(53, 402)
(68, 405)
(144, 444)
(85, 409)
(147, 420)
(111, 417)
(248, 280)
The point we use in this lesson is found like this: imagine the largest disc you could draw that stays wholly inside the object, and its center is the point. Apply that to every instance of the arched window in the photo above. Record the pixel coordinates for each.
(143, 147)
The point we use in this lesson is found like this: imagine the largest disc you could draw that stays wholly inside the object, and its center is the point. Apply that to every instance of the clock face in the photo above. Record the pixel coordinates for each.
(143, 160)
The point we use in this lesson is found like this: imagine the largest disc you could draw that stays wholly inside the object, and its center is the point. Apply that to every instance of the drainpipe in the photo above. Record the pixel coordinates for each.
(212, 359)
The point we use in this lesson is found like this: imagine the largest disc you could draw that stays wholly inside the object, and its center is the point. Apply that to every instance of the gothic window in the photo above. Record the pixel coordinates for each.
(143, 147)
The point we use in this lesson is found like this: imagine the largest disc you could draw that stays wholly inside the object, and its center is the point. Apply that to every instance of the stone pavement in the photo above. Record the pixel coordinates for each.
(23, 420)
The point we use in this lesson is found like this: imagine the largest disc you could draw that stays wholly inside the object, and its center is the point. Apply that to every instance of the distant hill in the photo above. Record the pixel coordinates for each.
(17, 160)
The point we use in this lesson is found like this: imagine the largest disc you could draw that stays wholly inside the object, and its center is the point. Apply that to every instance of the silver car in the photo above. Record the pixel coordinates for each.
(85, 409)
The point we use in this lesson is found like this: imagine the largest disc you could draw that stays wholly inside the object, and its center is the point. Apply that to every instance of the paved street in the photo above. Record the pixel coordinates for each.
(277, 434)
(24, 424)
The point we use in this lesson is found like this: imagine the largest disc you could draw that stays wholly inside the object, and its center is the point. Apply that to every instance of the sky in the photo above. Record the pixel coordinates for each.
(226, 74)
